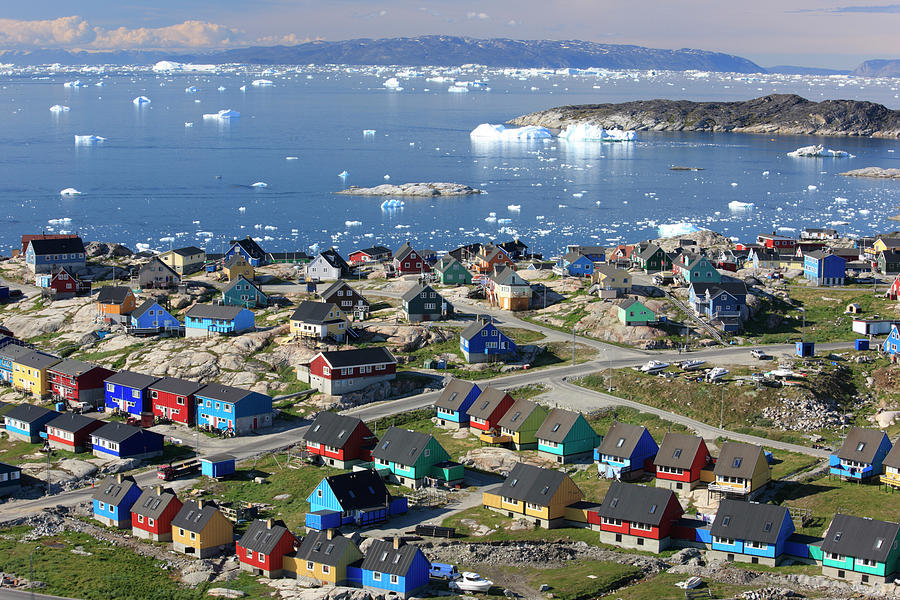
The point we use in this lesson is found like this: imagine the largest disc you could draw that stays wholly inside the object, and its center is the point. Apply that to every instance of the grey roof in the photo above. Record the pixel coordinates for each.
(737, 459)
(112, 491)
(28, 413)
(359, 357)
(72, 367)
(861, 445)
(317, 548)
(401, 252)
(531, 484)
(735, 288)
(502, 274)
(487, 402)
(626, 303)
(415, 290)
(332, 429)
(382, 557)
(359, 489)
(334, 259)
(374, 251)
(860, 538)
(678, 450)
(177, 386)
(156, 261)
(7, 468)
(571, 257)
(250, 247)
(893, 457)
(445, 263)
(557, 425)
(260, 537)
(133, 380)
(218, 458)
(742, 520)
(401, 446)
(621, 439)
(473, 328)
(144, 307)
(119, 432)
(37, 359)
(313, 312)
(890, 256)
(72, 422)
(57, 246)
(152, 503)
(241, 278)
(214, 311)
(340, 284)
(635, 503)
(223, 393)
(113, 294)
(13, 351)
(187, 251)
(517, 414)
(235, 259)
(648, 252)
(454, 393)
(192, 517)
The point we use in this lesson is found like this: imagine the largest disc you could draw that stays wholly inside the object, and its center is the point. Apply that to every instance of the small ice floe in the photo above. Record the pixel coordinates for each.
(765, 173)
(141, 246)
(352, 223)
(221, 88)
(223, 115)
(864, 212)
(839, 200)
(504, 221)
(259, 185)
(188, 124)
(490, 219)
(819, 151)
(191, 89)
(243, 88)
(59, 108)
(812, 188)
(261, 83)
(84, 140)
(392, 84)
(343, 174)
(73, 84)
(69, 192)
(141, 100)
(392, 203)
(387, 177)
(734, 184)
(458, 89)
(99, 84)
(577, 195)
(291, 158)
(562, 206)
(368, 132)
(167, 239)
(738, 205)
(60, 221)
(491, 132)
(242, 209)
(514, 207)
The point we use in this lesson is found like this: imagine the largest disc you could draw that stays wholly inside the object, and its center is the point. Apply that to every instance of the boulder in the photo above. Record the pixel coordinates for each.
(78, 468)
(225, 593)
(194, 578)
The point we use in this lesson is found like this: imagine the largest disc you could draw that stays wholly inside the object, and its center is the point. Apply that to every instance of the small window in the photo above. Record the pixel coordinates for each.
(860, 446)
(879, 543)
(676, 453)
(737, 462)
(652, 510)
(615, 501)
(726, 520)
(556, 427)
(767, 527)
(837, 536)
(620, 443)
(513, 483)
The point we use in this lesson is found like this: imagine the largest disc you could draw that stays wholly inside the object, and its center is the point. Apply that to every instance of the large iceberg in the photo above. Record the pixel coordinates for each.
(818, 151)
(488, 131)
(674, 229)
(140, 100)
(587, 132)
(458, 89)
(261, 83)
(69, 192)
(392, 203)
(738, 205)
(73, 84)
(83, 140)
(392, 84)
(223, 115)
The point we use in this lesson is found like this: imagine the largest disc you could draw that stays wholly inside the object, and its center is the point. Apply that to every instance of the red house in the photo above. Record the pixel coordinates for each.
(894, 291)
(74, 381)
(369, 255)
(72, 432)
(152, 514)
(779, 242)
(679, 461)
(262, 548)
(173, 398)
(339, 440)
(407, 261)
(60, 283)
(344, 371)
(488, 408)
(636, 516)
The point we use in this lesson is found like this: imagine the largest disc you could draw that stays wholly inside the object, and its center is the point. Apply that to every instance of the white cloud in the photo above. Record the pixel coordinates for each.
(478, 15)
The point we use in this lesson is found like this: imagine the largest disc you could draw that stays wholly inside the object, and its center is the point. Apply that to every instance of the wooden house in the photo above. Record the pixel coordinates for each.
(10, 479)
(393, 568)
(338, 372)
(610, 277)
(375, 254)
(152, 514)
(319, 321)
(129, 392)
(231, 408)
(861, 550)
(422, 303)
(27, 237)
(339, 441)
(158, 275)
(358, 498)
(201, 530)
(636, 517)
(30, 372)
(482, 341)
(249, 250)
(451, 272)
(72, 432)
(654, 259)
(576, 264)
(236, 266)
(487, 410)
(779, 242)
(824, 269)
(680, 460)
(115, 303)
(327, 557)
(861, 455)
(118, 440)
(408, 261)
(491, 256)
(750, 532)
(184, 261)
(61, 283)
(262, 548)
(174, 398)
(204, 320)
(26, 422)
(243, 292)
(692, 268)
(891, 467)
(626, 452)
(8, 353)
(535, 494)
(113, 499)
(741, 471)
(507, 290)
(408, 457)
(566, 436)
(888, 262)
(43, 254)
(150, 316)
(632, 311)
(351, 302)
(521, 423)
(327, 266)
(453, 405)
(76, 381)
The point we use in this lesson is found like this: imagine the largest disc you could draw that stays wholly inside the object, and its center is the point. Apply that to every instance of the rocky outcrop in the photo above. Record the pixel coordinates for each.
(412, 189)
(874, 172)
(775, 114)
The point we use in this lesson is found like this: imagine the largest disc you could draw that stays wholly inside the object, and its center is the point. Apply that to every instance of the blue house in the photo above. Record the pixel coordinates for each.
(861, 455)
(150, 315)
(113, 499)
(249, 249)
(750, 532)
(8, 354)
(824, 268)
(202, 320)
(725, 302)
(359, 498)
(891, 344)
(578, 265)
(482, 341)
(392, 566)
(225, 407)
(129, 392)
(26, 422)
(453, 405)
(626, 451)
(42, 255)
(118, 440)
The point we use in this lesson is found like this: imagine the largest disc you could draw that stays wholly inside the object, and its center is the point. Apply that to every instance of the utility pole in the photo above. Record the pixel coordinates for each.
(722, 409)
(573, 345)
(48, 468)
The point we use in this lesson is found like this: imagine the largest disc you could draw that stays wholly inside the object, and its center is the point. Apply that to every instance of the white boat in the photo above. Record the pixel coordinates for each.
(691, 365)
(689, 583)
(716, 374)
(654, 366)
(470, 582)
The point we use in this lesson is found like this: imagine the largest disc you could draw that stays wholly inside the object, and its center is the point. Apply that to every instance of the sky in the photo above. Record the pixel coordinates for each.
(837, 34)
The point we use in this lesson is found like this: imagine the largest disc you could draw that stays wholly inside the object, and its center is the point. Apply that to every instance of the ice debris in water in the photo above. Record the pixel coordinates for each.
(73, 84)
(352, 223)
(368, 132)
(221, 88)
(88, 139)
(261, 83)
(387, 177)
(587, 132)
(514, 207)
(291, 158)
(138, 101)
(188, 124)
(738, 205)
(260, 184)
(392, 203)
(488, 131)
(819, 151)
(242, 209)
(59, 108)
(60, 221)
(69, 191)
(734, 184)
(343, 174)
(191, 89)
(222, 115)
(458, 89)
(392, 84)
(673, 229)
(812, 188)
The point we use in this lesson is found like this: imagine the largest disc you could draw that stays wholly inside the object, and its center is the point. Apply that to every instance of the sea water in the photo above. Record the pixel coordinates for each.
(157, 183)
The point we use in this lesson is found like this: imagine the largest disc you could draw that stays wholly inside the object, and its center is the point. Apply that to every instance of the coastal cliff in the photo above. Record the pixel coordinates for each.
(776, 114)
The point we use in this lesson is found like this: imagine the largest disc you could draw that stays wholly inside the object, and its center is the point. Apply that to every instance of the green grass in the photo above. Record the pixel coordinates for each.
(571, 582)
(288, 375)
(662, 587)
(787, 463)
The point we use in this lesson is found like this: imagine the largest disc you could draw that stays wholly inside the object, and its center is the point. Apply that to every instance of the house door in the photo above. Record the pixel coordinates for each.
(254, 422)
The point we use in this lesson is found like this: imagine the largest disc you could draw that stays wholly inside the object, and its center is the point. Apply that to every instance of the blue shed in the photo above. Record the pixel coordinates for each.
(129, 392)
(321, 520)
(392, 566)
(804, 349)
(219, 465)
(861, 345)
(483, 341)
(225, 407)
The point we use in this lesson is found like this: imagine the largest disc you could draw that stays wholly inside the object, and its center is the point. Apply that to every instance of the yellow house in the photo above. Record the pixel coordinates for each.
(29, 373)
(536, 494)
(324, 556)
(237, 266)
(741, 471)
(200, 529)
(319, 320)
(885, 244)
(611, 278)
(891, 464)
(184, 260)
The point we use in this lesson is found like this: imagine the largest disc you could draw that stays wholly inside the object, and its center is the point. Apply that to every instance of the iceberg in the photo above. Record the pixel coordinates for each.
(259, 185)
(291, 158)
(191, 89)
(141, 246)
(458, 89)
(243, 88)
(514, 207)
(83, 140)
(343, 174)
(738, 205)
(261, 83)
(368, 132)
(387, 177)
(141, 100)
(221, 88)
(502, 221)
(188, 124)
(674, 229)
(352, 223)
(587, 132)
(73, 84)
(99, 84)
(488, 131)
(167, 65)
(812, 188)
(222, 115)
(60, 221)
(392, 203)
(69, 192)
(242, 209)
(59, 108)
(392, 84)
(819, 151)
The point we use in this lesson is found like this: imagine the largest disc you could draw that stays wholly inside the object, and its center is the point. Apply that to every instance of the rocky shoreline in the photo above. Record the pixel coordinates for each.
(426, 190)
(775, 114)
(873, 172)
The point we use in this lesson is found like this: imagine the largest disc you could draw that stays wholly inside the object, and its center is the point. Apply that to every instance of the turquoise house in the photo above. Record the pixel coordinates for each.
(202, 320)
(861, 455)
(243, 292)
(566, 436)
(750, 532)
(697, 269)
(861, 550)
(392, 566)
(407, 457)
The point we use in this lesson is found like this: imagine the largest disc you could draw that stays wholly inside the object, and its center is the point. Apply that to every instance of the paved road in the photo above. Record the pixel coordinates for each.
(8, 594)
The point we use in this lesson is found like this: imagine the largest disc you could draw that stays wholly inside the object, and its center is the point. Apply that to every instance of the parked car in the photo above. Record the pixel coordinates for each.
(759, 354)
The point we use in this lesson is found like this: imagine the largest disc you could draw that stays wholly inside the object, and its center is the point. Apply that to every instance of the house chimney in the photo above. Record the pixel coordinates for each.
(200, 504)
(119, 477)
(268, 523)
(398, 541)
(159, 490)
(329, 533)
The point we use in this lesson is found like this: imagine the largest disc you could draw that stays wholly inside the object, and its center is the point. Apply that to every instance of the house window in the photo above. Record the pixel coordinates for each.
(101, 505)
(180, 400)
(309, 565)
(193, 536)
(249, 553)
(109, 387)
(326, 371)
(135, 393)
(326, 569)
(140, 518)
(376, 576)
(149, 521)
(394, 579)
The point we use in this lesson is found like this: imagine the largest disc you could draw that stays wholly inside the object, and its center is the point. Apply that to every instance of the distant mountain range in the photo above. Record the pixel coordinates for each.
(441, 50)
(879, 68)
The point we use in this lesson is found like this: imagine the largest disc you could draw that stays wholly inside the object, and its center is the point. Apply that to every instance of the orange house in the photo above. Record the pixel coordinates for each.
(115, 302)
(490, 256)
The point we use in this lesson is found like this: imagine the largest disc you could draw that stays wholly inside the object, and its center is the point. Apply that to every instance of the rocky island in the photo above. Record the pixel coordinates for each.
(775, 114)
(412, 189)
(874, 172)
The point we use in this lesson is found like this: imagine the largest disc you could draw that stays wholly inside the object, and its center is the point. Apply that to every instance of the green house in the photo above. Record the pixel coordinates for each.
(521, 423)
(566, 436)
(697, 269)
(654, 259)
(633, 312)
(889, 262)
(243, 292)
(422, 303)
(861, 550)
(451, 272)
(411, 456)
